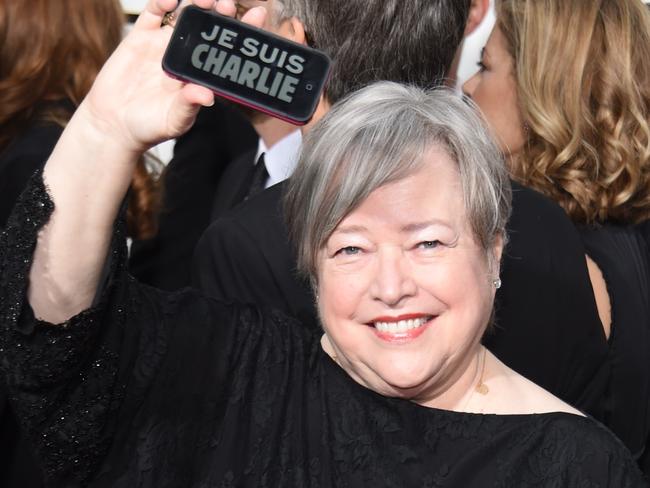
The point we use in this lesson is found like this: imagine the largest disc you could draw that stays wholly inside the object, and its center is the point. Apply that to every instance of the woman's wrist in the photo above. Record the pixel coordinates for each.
(103, 133)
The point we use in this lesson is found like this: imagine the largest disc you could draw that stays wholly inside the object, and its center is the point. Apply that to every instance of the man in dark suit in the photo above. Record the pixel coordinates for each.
(230, 153)
(220, 135)
(270, 162)
(246, 255)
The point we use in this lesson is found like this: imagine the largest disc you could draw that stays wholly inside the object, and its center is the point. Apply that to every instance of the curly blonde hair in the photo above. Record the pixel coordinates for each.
(583, 74)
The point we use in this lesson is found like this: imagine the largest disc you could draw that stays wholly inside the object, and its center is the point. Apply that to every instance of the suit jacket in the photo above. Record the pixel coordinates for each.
(234, 184)
(191, 180)
(246, 256)
(547, 327)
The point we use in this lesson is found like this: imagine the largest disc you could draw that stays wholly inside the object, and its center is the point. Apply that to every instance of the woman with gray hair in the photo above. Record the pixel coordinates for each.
(399, 209)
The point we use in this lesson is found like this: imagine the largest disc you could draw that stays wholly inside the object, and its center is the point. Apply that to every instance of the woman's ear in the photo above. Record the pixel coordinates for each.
(293, 29)
(477, 11)
(498, 247)
(494, 258)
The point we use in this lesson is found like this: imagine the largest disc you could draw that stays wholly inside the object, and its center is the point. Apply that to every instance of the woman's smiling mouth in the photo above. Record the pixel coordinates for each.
(401, 329)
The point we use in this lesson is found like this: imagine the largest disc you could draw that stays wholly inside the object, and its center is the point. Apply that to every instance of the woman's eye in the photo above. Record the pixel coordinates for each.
(349, 250)
(481, 66)
(428, 244)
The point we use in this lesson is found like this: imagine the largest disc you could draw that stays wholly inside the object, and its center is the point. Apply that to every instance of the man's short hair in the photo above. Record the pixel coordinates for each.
(411, 42)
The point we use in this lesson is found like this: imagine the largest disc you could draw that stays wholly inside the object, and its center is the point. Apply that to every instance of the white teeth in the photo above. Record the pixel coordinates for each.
(401, 325)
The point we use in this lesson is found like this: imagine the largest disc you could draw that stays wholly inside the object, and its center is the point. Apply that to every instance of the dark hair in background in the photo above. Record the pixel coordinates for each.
(51, 52)
(410, 42)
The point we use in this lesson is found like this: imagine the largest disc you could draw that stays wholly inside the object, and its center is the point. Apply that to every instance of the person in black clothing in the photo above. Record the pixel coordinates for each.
(572, 114)
(400, 201)
(546, 325)
(49, 56)
(220, 136)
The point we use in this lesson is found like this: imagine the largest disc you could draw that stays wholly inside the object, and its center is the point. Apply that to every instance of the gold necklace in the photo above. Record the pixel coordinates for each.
(480, 387)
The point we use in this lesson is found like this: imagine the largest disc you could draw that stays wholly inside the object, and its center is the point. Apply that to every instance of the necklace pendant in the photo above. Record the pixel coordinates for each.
(482, 388)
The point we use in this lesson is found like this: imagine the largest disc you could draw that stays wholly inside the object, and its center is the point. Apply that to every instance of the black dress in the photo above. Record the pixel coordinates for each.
(27, 153)
(155, 389)
(623, 255)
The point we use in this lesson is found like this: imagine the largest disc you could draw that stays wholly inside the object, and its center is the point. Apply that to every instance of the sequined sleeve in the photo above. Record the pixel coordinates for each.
(61, 378)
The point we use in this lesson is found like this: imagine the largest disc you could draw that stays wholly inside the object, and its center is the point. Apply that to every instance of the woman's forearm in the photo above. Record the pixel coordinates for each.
(132, 105)
(87, 176)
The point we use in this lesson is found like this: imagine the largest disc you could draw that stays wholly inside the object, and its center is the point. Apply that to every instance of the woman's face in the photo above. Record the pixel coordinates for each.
(405, 292)
(494, 89)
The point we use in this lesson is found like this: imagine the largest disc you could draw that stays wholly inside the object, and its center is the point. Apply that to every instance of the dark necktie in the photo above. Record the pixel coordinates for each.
(258, 178)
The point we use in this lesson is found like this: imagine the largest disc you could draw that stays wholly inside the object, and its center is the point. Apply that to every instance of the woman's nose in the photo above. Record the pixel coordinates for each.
(470, 85)
(393, 280)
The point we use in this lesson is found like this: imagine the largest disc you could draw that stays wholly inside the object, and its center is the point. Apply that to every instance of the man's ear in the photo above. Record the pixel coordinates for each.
(293, 29)
(477, 11)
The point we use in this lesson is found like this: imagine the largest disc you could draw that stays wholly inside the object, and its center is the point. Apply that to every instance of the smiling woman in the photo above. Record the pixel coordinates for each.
(400, 205)
(416, 236)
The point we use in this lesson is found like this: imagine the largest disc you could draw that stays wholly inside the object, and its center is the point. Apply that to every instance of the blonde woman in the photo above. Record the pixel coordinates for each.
(565, 86)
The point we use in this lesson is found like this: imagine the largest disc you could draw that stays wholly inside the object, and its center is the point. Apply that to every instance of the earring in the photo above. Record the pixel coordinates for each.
(497, 283)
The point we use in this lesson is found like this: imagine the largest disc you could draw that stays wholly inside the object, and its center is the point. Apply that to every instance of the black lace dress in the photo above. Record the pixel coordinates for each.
(152, 389)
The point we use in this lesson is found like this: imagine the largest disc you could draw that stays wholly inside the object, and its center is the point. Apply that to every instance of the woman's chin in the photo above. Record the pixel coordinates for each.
(405, 384)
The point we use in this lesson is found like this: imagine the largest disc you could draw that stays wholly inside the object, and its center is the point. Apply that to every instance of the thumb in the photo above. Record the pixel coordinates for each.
(186, 106)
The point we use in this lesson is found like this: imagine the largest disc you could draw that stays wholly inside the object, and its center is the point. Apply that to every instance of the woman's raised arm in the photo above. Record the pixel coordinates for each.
(132, 106)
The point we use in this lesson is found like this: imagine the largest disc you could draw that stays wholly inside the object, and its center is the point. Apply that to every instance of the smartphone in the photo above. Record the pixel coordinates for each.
(247, 65)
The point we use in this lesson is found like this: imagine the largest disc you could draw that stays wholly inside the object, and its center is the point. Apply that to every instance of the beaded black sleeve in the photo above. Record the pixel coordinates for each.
(62, 377)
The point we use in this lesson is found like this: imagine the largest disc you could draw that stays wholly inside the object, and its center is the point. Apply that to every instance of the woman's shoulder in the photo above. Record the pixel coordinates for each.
(554, 435)
(570, 450)
(536, 208)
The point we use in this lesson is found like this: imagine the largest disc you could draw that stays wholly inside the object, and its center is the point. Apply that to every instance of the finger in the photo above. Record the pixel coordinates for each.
(255, 17)
(152, 15)
(201, 3)
(226, 7)
(185, 107)
(198, 95)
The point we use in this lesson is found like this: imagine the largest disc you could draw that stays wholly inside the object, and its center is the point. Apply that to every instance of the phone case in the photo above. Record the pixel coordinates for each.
(247, 65)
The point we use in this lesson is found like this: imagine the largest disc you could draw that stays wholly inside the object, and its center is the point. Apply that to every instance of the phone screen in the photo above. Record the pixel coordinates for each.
(246, 64)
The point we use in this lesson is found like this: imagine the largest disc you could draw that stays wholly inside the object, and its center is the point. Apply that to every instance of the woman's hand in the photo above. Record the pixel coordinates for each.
(132, 105)
(133, 101)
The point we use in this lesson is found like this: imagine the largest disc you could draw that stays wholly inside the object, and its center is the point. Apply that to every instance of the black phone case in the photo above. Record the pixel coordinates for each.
(247, 65)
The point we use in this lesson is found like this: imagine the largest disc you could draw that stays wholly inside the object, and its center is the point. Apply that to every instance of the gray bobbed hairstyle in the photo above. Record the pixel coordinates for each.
(379, 135)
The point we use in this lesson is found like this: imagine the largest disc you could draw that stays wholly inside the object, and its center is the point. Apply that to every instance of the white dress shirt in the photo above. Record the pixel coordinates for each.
(281, 158)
